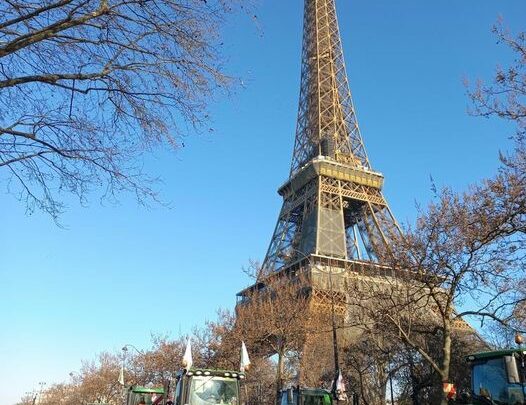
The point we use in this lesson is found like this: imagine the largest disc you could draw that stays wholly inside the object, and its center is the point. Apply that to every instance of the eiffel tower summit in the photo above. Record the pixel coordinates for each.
(334, 221)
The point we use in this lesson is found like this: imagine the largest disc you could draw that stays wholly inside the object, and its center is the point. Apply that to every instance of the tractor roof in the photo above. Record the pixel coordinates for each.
(312, 391)
(493, 354)
(215, 373)
(145, 390)
(315, 391)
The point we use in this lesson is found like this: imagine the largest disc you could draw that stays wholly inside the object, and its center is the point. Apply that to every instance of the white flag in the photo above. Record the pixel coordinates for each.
(245, 361)
(187, 358)
(340, 387)
(121, 376)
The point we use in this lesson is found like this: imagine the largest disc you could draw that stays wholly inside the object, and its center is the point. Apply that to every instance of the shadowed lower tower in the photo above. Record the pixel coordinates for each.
(333, 204)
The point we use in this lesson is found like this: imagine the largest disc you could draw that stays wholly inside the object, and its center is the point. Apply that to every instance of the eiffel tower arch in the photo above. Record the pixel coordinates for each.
(334, 222)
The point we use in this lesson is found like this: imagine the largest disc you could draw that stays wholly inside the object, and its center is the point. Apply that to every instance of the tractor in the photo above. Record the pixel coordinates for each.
(192, 387)
(208, 387)
(497, 377)
(314, 396)
(305, 396)
(137, 395)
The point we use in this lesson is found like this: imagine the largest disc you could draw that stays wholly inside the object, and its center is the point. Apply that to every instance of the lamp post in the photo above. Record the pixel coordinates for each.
(125, 348)
(519, 340)
(123, 365)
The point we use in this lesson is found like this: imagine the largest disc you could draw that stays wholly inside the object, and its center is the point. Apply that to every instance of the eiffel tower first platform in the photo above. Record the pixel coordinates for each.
(335, 220)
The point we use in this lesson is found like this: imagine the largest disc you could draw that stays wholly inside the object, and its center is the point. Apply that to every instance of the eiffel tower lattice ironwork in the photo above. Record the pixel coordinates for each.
(333, 203)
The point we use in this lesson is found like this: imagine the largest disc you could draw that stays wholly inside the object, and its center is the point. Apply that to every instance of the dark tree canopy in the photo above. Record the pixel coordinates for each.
(86, 86)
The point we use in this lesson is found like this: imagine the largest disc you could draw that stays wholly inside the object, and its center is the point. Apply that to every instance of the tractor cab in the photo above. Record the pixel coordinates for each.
(145, 396)
(498, 377)
(305, 396)
(208, 387)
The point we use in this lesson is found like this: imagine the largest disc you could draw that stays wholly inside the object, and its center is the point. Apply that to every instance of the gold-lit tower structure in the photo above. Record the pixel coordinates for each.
(333, 204)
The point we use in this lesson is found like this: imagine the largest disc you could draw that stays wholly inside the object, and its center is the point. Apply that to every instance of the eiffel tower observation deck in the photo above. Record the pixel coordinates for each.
(333, 210)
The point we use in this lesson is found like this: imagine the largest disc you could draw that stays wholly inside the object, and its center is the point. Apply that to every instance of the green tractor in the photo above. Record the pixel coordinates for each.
(305, 396)
(192, 387)
(137, 395)
(497, 378)
(208, 387)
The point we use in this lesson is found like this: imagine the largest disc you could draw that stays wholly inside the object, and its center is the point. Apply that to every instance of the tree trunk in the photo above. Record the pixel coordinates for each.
(446, 362)
(279, 374)
(415, 383)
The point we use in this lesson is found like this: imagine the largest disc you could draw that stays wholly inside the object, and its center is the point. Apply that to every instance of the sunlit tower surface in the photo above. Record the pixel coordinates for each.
(333, 206)
(335, 221)
(334, 213)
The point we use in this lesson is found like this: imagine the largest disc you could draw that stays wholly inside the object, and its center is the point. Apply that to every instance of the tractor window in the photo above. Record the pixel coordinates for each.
(214, 390)
(138, 398)
(313, 400)
(490, 380)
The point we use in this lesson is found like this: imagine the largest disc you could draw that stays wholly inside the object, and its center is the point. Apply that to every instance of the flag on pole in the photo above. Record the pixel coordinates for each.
(245, 361)
(339, 387)
(187, 358)
(121, 375)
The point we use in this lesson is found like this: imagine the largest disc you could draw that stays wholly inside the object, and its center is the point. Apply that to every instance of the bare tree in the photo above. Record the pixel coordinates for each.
(458, 263)
(274, 317)
(506, 96)
(95, 383)
(464, 259)
(368, 363)
(87, 86)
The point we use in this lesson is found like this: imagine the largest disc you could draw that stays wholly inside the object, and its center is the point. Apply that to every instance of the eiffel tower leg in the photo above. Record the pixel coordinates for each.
(280, 241)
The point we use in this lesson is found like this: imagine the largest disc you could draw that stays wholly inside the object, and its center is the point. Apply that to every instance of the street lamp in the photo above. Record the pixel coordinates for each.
(124, 353)
(123, 365)
(125, 348)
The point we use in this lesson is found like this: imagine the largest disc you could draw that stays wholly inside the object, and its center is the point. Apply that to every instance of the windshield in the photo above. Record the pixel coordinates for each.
(314, 400)
(139, 398)
(213, 390)
(491, 382)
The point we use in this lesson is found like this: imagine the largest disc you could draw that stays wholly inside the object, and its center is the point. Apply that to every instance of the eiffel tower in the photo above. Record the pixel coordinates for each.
(333, 204)
(335, 222)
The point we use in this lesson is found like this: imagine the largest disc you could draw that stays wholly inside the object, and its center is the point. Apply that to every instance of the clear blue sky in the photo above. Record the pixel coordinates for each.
(118, 273)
